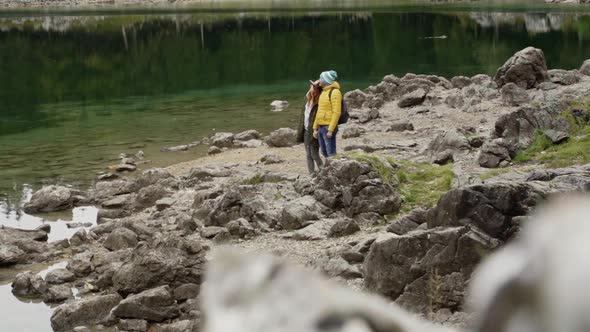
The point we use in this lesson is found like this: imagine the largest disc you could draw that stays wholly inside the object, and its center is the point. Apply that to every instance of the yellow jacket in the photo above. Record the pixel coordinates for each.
(329, 112)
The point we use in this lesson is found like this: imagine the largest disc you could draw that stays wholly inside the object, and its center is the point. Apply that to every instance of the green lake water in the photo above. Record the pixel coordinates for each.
(79, 88)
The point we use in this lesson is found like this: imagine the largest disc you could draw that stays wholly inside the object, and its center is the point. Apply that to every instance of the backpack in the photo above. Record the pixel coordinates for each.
(344, 116)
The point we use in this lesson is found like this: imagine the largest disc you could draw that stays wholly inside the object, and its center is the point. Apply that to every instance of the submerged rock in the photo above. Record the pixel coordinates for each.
(279, 105)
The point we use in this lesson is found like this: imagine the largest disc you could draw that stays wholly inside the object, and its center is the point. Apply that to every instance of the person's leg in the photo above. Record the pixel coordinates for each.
(331, 144)
(322, 139)
(308, 153)
(315, 154)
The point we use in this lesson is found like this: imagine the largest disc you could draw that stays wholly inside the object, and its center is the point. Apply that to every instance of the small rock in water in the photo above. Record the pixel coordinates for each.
(78, 224)
(140, 154)
(125, 168)
(122, 155)
(279, 105)
(107, 177)
(45, 228)
(128, 161)
(137, 146)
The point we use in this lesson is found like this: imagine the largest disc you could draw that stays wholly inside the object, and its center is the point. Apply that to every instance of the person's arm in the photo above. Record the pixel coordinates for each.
(336, 109)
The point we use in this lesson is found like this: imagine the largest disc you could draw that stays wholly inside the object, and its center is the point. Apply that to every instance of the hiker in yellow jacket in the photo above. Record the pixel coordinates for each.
(325, 126)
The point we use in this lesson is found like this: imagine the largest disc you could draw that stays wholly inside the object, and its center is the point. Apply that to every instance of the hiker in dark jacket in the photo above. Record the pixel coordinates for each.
(305, 129)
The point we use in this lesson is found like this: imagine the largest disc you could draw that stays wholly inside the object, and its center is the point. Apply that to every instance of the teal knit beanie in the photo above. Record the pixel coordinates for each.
(329, 77)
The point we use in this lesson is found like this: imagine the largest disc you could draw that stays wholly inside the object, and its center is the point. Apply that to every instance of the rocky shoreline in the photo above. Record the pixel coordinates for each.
(358, 221)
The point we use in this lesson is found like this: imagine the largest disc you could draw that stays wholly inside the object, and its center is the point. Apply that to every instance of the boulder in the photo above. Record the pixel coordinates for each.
(396, 264)
(488, 207)
(179, 326)
(444, 157)
(355, 188)
(517, 129)
(165, 203)
(367, 115)
(166, 260)
(319, 230)
(87, 311)
(210, 232)
(585, 68)
(526, 68)
(270, 159)
(408, 222)
(413, 98)
(400, 126)
(355, 99)
(449, 140)
(493, 153)
(153, 305)
(557, 137)
(338, 267)
(352, 132)
(29, 285)
(148, 196)
(279, 105)
(11, 254)
(459, 82)
(80, 265)
(343, 227)
(57, 293)
(133, 325)
(283, 137)
(455, 100)
(240, 228)
(125, 168)
(299, 213)
(186, 291)
(222, 140)
(59, 276)
(120, 238)
(214, 150)
(247, 135)
(564, 77)
(51, 198)
(514, 95)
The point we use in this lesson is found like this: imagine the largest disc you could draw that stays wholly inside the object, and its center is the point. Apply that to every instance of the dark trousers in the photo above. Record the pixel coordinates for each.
(313, 154)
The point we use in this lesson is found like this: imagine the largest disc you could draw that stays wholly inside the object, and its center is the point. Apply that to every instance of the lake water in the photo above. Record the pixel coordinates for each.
(78, 90)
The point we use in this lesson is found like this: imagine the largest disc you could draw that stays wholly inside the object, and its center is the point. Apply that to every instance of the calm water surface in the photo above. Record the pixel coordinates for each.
(76, 91)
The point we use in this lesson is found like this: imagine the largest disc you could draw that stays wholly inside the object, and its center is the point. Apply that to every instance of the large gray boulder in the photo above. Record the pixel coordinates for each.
(518, 128)
(526, 68)
(513, 95)
(493, 153)
(18, 246)
(355, 188)
(28, 284)
(51, 198)
(166, 260)
(222, 140)
(59, 276)
(120, 238)
(355, 98)
(413, 98)
(449, 140)
(283, 137)
(154, 305)
(87, 311)
(402, 267)
(489, 207)
(585, 68)
(299, 212)
(247, 135)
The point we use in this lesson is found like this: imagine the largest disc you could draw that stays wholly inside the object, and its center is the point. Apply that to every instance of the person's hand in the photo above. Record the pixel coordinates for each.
(315, 133)
(329, 135)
